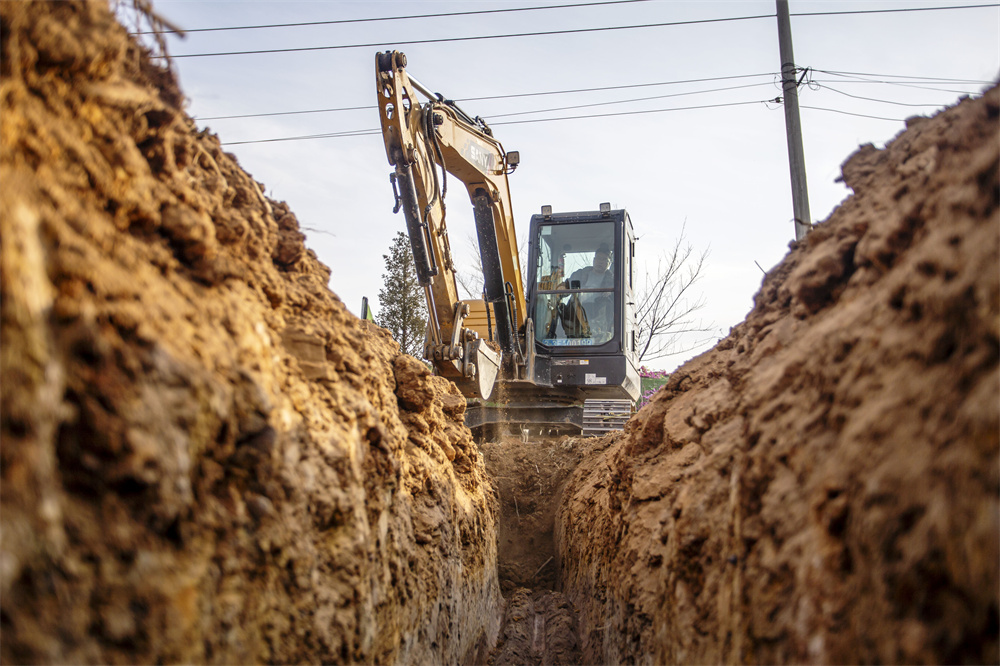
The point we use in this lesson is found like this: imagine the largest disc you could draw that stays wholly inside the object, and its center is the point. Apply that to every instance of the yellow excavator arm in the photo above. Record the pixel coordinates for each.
(426, 141)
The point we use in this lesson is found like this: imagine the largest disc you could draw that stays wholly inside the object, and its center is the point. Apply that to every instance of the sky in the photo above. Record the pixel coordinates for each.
(685, 132)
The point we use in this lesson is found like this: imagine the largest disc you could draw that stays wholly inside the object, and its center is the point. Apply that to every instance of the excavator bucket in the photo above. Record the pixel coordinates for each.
(485, 365)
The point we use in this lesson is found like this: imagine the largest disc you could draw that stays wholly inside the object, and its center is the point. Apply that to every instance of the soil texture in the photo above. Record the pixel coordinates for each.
(529, 477)
(206, 458)
(540, 625)
(824, 485)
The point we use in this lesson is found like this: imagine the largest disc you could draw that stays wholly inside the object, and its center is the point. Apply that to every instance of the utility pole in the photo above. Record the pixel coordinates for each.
(793, 127)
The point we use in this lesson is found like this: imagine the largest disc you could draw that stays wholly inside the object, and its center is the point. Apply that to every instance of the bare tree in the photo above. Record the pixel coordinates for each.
(470, 279)
(142, 20)
(667, 306)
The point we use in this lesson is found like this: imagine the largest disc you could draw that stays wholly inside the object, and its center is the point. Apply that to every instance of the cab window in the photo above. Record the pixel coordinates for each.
(576, 268)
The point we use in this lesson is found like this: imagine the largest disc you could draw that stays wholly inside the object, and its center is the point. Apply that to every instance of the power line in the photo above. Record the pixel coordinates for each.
(289, 113)
(901, 85)
(858, 78)
(509, 10)
(508, 96)
(375, 131)
(935, 79)
(330, 135)
(394, 18)
(629, 113)
(641, 85)
(467, 39)
(848, 113)
(370, 132)
(872, 99)
(892, 11)
(566, 32)
(624, 101)
(620, 87)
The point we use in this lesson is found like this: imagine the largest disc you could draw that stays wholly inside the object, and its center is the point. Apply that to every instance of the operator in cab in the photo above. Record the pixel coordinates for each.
(596, 305)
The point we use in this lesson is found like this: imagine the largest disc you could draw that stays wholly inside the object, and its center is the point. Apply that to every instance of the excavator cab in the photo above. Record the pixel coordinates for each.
(580, 299)
(575, 299)
(580, 371)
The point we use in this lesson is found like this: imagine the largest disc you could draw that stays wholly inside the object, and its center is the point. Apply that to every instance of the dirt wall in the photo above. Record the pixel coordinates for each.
(824, 485)
(205, 457)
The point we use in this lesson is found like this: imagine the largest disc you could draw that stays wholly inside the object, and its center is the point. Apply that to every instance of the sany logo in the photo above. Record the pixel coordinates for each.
(475, 154)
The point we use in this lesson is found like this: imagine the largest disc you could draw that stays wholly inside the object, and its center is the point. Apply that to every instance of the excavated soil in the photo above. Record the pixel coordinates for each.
(206, 458)
(824, 485)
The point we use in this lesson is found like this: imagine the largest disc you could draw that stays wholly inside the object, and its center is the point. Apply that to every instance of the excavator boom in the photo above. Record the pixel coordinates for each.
(425, 141)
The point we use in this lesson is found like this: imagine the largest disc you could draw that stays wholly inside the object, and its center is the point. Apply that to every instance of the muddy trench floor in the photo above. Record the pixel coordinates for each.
(540, 624)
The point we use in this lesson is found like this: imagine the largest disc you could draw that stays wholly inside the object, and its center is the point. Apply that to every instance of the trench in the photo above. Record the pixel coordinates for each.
(540, 624)
(208, 459)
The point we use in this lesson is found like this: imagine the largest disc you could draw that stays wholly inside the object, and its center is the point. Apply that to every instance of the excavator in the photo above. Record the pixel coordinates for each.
(555, 355)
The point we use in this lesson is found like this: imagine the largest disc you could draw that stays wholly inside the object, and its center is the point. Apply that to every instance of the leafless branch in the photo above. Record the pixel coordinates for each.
(666, 305)
(470, 280)
(318, 231)
(140, 13)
